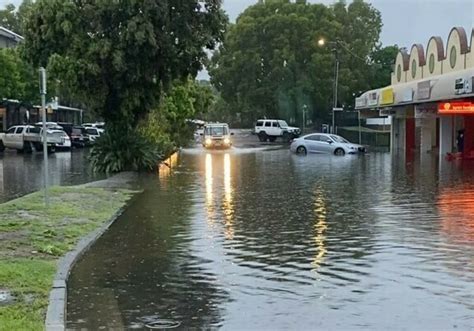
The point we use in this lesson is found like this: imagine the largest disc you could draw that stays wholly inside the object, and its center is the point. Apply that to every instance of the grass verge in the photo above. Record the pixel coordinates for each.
(33, 238)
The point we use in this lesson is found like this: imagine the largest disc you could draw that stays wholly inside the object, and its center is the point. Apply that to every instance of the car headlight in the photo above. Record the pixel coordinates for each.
(226, 141)
(208, 141)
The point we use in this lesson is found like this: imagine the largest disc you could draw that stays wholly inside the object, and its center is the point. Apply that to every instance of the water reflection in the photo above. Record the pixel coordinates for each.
(23, 173)
(264, 240)
(320, 227)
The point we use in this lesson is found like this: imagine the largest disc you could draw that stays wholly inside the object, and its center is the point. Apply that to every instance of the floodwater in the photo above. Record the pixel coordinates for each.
(255, 239)
(21, 174)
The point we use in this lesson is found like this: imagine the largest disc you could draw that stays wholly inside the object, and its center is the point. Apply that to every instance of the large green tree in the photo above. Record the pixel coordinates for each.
(271, 64)
(18, 79)
(117, 55)
(13, 18)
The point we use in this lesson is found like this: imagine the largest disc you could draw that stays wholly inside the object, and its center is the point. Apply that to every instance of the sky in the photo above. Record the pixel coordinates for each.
(405, 22)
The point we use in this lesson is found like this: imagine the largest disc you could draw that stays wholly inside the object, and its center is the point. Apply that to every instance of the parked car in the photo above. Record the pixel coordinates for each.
(273, 129)
(65, 143)
(217, 135)
(92, 134)
(100, 126)
(326, 144)
(76, 133)
(25, 138)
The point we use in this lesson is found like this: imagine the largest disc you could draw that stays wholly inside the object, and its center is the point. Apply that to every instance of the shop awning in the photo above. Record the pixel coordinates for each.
(450, 86)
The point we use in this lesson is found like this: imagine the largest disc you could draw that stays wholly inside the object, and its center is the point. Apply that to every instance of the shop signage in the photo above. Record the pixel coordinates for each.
(407, 95)
(463, 86)
(456, 107)
(373, 98)
(387, 112)
(387, 96)
(424, 90)
(426, 110)
(361, 102)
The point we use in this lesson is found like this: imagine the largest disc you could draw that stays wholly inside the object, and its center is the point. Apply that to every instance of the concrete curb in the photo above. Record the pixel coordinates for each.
(56, 313)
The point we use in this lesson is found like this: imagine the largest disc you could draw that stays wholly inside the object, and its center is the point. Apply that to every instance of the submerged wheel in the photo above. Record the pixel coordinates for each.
(2, 146)
(301, 150)
(339, 152)
(262, 136)
(272, 139)
(286, 137)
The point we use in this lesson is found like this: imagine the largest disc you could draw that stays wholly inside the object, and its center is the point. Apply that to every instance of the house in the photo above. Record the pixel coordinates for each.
(9, 39)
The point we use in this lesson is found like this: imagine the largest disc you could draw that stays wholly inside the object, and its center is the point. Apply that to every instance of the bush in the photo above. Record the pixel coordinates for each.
(124, 150)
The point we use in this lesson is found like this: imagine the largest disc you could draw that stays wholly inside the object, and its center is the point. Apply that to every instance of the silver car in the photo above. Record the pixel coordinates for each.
(325, 144)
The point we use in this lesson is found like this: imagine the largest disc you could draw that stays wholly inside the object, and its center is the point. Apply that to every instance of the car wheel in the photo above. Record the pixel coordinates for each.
(27, 147)
(262, 136)
(339, 152)
(2, 146)
(286, 137)
(272, 139)
(301, 150)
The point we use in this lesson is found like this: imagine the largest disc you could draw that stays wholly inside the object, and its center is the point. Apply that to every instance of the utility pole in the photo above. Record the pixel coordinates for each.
(44, 133)
(336, 83)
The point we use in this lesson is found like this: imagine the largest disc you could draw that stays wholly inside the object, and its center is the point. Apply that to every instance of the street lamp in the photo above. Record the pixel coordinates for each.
(335, 45)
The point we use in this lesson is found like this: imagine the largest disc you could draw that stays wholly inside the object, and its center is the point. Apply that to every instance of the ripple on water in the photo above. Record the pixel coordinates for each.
(267, 240)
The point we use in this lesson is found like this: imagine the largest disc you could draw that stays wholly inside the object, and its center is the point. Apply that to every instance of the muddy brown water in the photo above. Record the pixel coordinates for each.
(267, 240)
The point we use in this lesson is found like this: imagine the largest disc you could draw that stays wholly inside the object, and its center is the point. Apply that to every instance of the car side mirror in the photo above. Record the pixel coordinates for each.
(201, 134)
(329, 141)
(231, 133)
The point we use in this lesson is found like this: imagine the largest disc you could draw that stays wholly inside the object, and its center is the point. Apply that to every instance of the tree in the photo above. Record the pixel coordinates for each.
(382, 61)
(118, 56)
(270, 63)
(17, 78)
(13, 18)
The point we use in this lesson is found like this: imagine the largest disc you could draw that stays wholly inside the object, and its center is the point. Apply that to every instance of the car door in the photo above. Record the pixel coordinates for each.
(275, 128)
(312, 142)
(9, 138)
(326, 144)
(18, 137)
(268, 128)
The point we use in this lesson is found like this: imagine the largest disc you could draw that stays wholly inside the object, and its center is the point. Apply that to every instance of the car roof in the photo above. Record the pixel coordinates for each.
(217, 124)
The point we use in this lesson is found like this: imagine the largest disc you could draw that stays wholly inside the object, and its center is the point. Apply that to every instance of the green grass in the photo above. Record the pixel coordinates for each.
(32, 239)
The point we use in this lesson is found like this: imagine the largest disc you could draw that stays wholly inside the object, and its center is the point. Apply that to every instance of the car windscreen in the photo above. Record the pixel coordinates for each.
(216, 131)
(339, 139)
(283, 124)
(92, 132)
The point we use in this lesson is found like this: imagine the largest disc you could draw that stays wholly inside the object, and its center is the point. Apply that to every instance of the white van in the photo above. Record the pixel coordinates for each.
(217, 135)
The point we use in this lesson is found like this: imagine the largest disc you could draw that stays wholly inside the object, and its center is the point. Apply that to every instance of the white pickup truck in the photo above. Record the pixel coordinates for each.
(26, 138)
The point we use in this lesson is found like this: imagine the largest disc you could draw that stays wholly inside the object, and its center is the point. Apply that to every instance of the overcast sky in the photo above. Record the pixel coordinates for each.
(405, 22)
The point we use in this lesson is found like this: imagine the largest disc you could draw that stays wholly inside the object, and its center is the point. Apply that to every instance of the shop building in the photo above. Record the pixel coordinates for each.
(431, 98)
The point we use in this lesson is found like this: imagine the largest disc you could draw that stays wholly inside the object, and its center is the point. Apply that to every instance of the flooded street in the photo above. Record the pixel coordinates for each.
(21, 174)
(263, 239)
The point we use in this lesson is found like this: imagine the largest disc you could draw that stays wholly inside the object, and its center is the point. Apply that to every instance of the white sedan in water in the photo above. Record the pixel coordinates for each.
(325, 144)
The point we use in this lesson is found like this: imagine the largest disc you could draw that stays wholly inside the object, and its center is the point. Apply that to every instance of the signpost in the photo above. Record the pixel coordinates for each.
(334, 131)
(44, 133)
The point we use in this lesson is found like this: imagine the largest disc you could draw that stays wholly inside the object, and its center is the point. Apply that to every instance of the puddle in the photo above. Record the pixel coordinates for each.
(6, 297)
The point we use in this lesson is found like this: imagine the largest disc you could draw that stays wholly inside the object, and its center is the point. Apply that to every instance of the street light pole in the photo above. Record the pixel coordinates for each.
(336, 83)
(44, 133)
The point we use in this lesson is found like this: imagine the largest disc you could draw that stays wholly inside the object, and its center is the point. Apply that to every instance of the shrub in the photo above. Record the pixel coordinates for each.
(124, 150)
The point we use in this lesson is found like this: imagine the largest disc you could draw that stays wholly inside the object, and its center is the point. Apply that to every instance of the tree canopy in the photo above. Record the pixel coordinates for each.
(116, 56)
(270, 63)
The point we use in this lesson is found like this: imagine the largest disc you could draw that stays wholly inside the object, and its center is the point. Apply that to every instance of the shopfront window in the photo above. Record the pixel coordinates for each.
(452, 57)
(432, 63)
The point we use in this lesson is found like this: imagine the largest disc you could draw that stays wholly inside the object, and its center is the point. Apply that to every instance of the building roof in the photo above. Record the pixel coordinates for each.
(10, 34)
